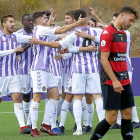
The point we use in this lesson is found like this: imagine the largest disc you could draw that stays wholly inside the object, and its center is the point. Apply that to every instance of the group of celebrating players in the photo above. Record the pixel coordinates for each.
(62, 62)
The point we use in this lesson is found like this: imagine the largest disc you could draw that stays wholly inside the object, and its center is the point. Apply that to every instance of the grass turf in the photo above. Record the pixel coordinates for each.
(9, 127)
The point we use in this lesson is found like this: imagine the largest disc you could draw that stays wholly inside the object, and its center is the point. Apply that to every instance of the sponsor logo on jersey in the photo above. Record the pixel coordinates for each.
(103, 43)
(105, 32)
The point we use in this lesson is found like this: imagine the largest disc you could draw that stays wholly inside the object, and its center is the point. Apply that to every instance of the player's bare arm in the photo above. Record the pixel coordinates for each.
(44, 43)
(24, 49)
(95, 16)
(83, 34)
(81, 21)
(107, 67)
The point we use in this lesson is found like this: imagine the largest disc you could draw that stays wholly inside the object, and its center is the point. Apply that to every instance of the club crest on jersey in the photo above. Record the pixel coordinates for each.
(70, 88)
(105, 32)
(14, 39)
(103, 42)
(24, 89)
(43, 88)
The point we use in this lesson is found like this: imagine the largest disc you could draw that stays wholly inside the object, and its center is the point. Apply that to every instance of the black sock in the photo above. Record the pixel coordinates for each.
(126, 129)
(100, 130)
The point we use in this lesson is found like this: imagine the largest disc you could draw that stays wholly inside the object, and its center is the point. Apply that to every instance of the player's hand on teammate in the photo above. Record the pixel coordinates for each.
(82, 21)
(18, 49)
(58, 57)
(117, 86)
(34, 41)
(82, 34)
(92, 48)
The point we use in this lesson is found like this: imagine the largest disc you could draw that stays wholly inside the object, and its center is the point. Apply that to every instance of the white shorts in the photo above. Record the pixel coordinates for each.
(64, 79)
(86, 83)
(43, 80)
(130, 75)
(59, 83)
(68, 89)
(9, 84)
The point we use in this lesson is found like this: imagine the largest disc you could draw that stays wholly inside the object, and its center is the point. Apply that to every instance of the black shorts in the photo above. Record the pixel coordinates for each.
(117, 101)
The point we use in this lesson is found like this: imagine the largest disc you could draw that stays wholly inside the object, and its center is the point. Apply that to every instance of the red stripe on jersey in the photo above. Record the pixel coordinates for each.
(123, 82)
(118, 66)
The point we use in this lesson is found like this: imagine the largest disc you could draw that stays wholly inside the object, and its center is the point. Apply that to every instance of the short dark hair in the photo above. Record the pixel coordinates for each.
(79, 12)
(70, 13)
(94, 20)
(48, 13)
(25, 16)
(130, 10)
(4, 19)
(38, 14)
(116, 14)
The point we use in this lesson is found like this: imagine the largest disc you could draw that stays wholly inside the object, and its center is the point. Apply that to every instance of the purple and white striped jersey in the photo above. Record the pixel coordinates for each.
(56, 68)
(83, 62)
(8, 63)
(25, 59)
(41, 60)
(66, 62)
(128, 59)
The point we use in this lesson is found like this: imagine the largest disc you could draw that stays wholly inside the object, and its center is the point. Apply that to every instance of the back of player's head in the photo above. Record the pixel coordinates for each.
(48, 13)
(129, 10)
(4, 19)
(70, 13)
(79, 12)
(23, 17)
(38, 14)
(116, 14)
(94, 20)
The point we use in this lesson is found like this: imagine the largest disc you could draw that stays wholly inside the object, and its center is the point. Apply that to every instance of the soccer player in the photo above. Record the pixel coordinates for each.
(24, 65)
(85, 68)
(115, 81)
(9, 80)
(42, 78)
(135, 123)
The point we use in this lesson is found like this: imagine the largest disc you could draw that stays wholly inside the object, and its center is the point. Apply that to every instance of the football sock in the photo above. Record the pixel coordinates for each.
(77, 110)
(50, 110)
(99, 109)
(90, 110)
(19, 113)
(26, 106)
(71, 108)
(100, 130)
(134, 114)
(119, 118)
(84, 111)
(34, 114)
(126, 129)
(59, 106)
(64, 111)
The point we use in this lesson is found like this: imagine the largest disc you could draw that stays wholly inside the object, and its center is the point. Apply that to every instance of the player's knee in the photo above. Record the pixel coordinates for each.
(69, 97)
(127, 114)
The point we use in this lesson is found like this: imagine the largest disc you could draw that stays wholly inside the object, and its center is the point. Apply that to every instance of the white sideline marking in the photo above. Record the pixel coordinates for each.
(38, 111)
(13, 112)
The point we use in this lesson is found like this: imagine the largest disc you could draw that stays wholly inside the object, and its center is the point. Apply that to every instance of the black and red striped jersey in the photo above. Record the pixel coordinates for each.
(114, 41)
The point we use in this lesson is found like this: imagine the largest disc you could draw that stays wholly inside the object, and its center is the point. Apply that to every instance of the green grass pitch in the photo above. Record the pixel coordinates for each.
(9, 127)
